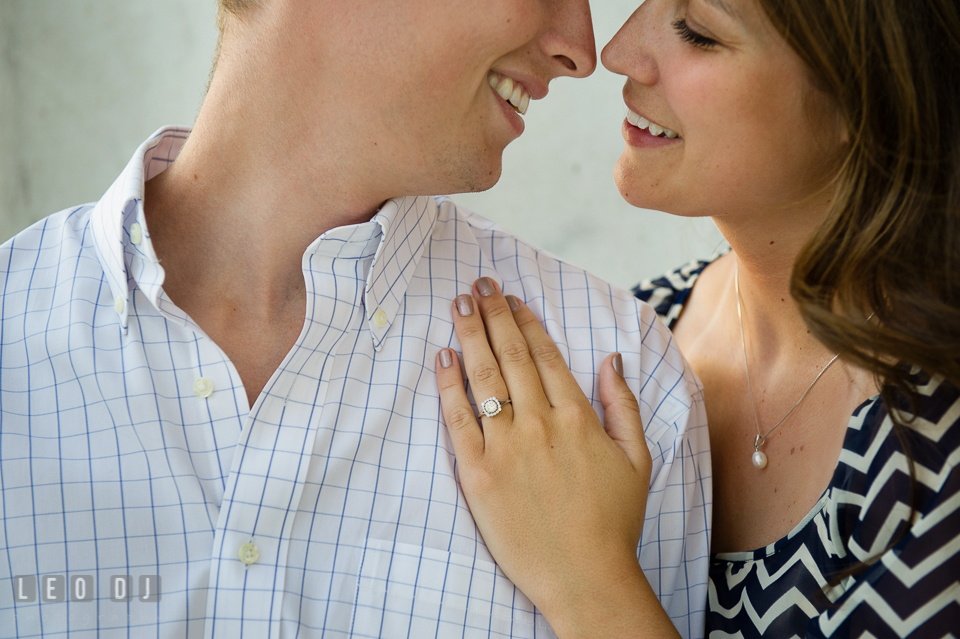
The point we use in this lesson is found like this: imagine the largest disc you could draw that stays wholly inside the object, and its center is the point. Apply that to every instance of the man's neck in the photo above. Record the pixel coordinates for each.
(252, 188)
(231, 217)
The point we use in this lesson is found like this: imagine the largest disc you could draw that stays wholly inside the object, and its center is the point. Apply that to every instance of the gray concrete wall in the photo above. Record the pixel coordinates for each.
(94, 79)
(83, 82)
(12, 213)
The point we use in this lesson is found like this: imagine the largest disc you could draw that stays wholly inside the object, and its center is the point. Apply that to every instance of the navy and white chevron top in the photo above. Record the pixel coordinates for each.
(912, 585)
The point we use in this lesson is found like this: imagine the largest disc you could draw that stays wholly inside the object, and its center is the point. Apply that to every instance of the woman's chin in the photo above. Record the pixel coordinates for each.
(636, 190)
(645, 189)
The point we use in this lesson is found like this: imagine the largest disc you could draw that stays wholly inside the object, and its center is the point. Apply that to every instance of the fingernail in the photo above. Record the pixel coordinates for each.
(513, 302)
(618, 364)
(465, 305)
(446, 359)
(486, 287)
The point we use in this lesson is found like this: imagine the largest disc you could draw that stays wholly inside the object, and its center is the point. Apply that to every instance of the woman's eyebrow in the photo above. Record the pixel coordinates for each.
(725, 7)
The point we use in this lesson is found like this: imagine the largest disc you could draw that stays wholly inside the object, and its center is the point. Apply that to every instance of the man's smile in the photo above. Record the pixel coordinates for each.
(510, 90)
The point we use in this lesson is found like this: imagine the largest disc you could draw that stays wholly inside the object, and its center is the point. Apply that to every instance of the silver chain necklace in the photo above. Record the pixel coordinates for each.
(759, 458)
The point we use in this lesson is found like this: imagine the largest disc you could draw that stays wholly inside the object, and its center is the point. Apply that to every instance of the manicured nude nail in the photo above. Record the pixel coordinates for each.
(618, 364)
(513, 302)
(446, 359)
(486, 287)
(465, 305)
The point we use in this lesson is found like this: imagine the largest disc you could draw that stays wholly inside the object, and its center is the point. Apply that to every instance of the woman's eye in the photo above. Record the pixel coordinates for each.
(688, 35)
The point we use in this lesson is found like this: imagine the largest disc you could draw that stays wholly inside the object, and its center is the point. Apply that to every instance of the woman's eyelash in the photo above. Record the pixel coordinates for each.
(694, 38)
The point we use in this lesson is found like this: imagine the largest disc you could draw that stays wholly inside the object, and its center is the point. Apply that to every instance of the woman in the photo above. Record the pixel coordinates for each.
(823, 138)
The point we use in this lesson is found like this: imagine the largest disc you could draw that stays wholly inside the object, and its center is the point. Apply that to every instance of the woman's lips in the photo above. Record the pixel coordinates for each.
(641, 132)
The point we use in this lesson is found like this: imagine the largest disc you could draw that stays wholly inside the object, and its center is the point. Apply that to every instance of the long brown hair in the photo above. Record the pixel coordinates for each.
(891, 243)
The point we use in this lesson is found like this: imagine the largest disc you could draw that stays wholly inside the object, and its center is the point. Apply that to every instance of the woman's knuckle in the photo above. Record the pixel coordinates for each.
(542, 433)
(448, 382)
(629, 400)
(468, 332)
(459, 417)
(496, 311)
(546, 354)
(524, 318)
(485, 372)
(514, 353)
(578, 413)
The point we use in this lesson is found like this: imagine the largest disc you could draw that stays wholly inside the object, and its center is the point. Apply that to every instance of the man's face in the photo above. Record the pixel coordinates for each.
(418, 74)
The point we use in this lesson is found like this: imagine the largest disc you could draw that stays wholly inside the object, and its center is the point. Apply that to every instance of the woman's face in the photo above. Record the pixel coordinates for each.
(752, 133)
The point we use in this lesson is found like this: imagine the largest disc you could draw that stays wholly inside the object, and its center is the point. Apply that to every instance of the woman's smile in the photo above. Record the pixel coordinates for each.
(642, 132)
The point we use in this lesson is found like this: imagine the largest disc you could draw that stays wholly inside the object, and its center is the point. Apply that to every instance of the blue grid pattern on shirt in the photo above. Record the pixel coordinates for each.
(342, 472)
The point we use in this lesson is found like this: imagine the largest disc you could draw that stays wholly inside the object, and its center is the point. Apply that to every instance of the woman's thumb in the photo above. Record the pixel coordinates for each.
(621, 412)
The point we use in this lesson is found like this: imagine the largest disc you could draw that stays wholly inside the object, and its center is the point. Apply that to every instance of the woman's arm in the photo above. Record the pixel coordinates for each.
(559, 500)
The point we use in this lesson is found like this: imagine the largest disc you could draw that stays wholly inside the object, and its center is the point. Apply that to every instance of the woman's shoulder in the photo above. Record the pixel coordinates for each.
(884, 440)
(896, 502)
(668, 293)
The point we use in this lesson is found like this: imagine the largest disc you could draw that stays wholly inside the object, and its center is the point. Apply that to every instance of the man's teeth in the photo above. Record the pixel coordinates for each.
(511, 91)
(655, 129)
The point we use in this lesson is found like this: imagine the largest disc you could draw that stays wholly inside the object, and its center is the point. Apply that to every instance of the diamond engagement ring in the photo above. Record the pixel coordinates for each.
(490, 407)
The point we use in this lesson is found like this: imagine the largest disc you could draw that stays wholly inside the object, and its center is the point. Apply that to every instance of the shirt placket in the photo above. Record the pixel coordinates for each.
(273, 456)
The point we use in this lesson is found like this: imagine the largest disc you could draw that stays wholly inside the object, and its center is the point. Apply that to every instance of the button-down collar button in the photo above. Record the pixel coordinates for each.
(249, 553)
(136, 233)
(118, 303)
(203, 387)
(380, 318)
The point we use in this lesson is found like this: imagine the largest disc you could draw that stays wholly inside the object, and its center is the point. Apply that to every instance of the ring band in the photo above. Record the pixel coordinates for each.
(491, 406)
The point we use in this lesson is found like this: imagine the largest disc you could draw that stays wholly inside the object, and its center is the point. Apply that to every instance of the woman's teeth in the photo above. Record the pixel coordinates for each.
(511, 91)
(655, 129)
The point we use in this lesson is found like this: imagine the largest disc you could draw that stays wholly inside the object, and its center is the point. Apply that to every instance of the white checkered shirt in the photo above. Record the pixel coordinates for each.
(127, 446)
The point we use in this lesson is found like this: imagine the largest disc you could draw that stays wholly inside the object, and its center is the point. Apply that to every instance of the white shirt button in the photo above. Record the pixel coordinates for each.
(203, 387)
(118, 303)
(136, 233)
(249, 553)
(380, 319)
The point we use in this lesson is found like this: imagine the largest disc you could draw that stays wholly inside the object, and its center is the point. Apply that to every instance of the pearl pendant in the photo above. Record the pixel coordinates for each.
(759, 460)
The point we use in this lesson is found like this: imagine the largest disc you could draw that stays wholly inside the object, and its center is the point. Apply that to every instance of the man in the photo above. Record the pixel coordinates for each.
(218, 380)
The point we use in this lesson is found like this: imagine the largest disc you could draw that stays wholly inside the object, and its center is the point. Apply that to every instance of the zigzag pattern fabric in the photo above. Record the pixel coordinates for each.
(906, 578)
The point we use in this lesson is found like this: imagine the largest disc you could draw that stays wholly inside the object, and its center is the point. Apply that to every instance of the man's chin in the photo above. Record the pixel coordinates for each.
(476, 179)
(488, 179)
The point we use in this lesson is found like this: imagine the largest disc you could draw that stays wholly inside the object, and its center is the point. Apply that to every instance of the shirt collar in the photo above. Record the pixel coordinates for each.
(405, 224)
(122, 205)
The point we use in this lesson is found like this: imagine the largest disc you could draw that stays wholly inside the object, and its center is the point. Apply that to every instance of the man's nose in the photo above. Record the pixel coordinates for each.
(570, 40)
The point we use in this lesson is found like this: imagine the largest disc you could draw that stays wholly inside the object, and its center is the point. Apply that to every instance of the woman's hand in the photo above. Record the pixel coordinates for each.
(559, 500)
